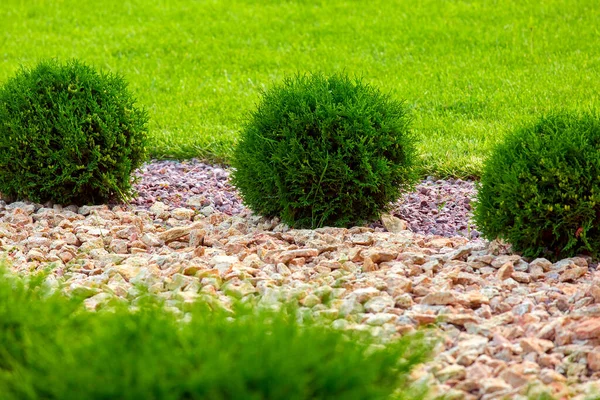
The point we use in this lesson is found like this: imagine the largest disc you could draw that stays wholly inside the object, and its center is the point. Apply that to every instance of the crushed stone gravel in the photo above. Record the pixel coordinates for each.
(508, 327)
(437, 207)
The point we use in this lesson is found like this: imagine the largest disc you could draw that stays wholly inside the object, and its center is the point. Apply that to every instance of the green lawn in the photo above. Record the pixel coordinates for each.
(470, 70)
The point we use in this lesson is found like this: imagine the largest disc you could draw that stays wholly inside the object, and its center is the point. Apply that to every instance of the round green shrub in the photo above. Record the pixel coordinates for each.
(69, 134)
(540, 188)
(324, 151)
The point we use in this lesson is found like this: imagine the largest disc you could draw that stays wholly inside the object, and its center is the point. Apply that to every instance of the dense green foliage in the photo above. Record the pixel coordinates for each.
(50, 348)
(69, 134)
(324, 151)
(471, 69)
(540, 189)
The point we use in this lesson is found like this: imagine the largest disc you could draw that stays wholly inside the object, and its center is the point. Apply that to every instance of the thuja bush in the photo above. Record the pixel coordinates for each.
(69, 134)
(324, 151)
(51, 348)
(540, 188)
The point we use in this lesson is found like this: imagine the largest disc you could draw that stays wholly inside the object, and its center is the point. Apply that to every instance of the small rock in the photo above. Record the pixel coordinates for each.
(536, 345)
(183, 214)
(521, 277)
(440, 299)
(514, 378)
(207, 211)
(572, 274)
(192, 269)
(456, 372)
(379, 304)
(369, 265)
(95, 302)
(494, 385)
(238, 289)
(35, 255)
(541, 262)
(119, 246)
(158, 208)
(594, 291)
(196, 201)
(150, 239)
(175, 233)
(500, 261)
(364, 294)
(197, 237)
(380, 319)
(404, 301)
(505, 271)
(593, 359)
(549, 376)
(393, 224)
(286, 256)
(310, 301)
(350, 306)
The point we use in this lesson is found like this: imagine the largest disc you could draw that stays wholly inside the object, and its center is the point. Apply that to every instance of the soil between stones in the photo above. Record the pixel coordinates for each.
(507, 326)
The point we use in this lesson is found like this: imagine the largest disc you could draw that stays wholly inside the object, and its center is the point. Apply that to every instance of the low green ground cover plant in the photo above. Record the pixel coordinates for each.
(69, 134)
(324, 151)
(51, 348)
(471, 70)
(540, 188)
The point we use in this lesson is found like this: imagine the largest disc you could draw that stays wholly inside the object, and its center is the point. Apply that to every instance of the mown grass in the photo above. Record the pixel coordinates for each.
(51, 348)
(470, 70)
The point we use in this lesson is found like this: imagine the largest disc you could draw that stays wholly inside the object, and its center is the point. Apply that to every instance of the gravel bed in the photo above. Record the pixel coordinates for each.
(439, 207)
(507, 326)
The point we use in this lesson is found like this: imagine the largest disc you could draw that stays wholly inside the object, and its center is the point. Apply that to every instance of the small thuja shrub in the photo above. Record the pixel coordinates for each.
(540, 188)
(69, 134)
(324, 151)
(51, 348)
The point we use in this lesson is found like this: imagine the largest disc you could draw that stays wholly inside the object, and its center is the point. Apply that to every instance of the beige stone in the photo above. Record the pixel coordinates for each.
(521, 277)
(369, 265)
(587, 329)
(572, 274)
(549, 376)
(593, 359)
(505, 271)
(440, 298)
(514, 378)
(393, 224)
(536, 345)
(286, 256)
